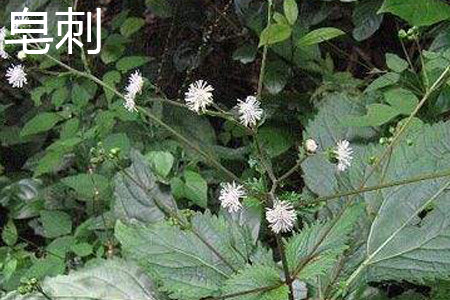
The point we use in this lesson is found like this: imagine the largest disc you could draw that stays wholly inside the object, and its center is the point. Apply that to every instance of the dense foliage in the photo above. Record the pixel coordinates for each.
(246, 149)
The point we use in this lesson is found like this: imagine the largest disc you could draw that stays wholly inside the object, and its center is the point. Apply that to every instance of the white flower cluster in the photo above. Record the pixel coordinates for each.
(199, 96)
(230, 196)
(281, 216)
(134, 87)
(15, 74)
(344, 155)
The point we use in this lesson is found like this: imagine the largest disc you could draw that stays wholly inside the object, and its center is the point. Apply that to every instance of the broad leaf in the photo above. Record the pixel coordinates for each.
(387, 79)
(112, 279)
(395, 63)
(265, 280)
(191, 264)
(418, 13)
(40, 123)
(138, 195)
(291, 11)
(319, 35)
(366, 19)
(275, 33)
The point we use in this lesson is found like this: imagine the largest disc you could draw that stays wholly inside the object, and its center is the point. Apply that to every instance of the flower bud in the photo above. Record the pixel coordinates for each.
(311, 146)
(21, 55)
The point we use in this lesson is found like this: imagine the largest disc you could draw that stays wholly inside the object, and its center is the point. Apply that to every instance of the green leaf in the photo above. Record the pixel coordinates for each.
(275, 33)
(131, 26)
(40, 123)
(161, 162)
(161, 8)
(418, 13)
(55, 223)
(60, 96)
(87, 184)
(377, 114)
(138, 195)
(195, 188)
(275, 140)
(9, 233)
(404, 101)
(257, 277)
(113, 48)
(366, 19)
(130, 62)
(409, 236)
(106, 280)
(82, 249)
(112, 78)
(277, 76)
(327, 128)
(314, 251)
(189, 265)
(245, 54)
(319, 35)
(290, 11)
(387, 79)
(396, 63)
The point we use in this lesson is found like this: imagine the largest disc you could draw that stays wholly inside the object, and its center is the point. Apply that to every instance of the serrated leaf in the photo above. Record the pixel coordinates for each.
(275, 33)
(314, 251)
(55, 223)
(138, 195)
(418, 13)
(319, 35)
(191, 264)
(40, 123)
(245, 54)
(290, 11)
(257, 277)
(161, 162)
(395, 63)
(111, 279)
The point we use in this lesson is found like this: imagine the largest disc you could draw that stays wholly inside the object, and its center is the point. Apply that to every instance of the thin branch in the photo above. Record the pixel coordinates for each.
(264, 57)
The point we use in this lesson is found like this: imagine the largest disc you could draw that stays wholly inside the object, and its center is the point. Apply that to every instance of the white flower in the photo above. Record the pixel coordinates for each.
(343, 154)
(3, 53)
(250, 111)
(311, 146)
(134, 87)
(281, 217)
(16, 76)
(230, 194)
(199, 96)
(21, 55)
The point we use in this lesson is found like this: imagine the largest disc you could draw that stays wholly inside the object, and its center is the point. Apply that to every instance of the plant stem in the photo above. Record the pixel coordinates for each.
(264, 57)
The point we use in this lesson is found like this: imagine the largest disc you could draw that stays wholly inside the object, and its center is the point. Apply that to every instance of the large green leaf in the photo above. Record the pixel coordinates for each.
(366, 19)
(112, 279)
(275, 33)
(40, 123)
(314, 251)
(138, 195)
(410, 236)
(191, 264)
(263, 277)
(418, 13)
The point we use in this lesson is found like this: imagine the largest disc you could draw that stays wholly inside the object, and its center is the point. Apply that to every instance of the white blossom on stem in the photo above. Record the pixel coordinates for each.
(344, 155)
(134, 87)
(199, 96)
(281, 217)
(16, 76)
(230, 196)
(250, 111)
